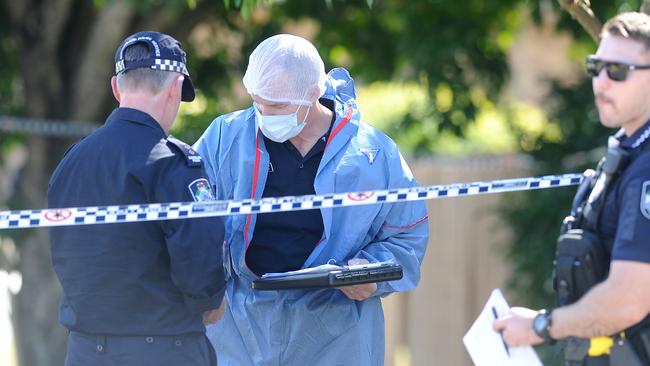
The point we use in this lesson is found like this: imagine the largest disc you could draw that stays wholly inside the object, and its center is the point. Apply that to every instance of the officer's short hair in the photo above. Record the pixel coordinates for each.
(630, 25)
(150, 80)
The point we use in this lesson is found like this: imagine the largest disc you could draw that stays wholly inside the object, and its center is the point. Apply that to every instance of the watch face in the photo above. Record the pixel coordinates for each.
(541, 324)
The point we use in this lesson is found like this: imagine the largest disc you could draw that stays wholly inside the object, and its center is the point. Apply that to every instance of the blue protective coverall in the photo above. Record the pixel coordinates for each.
(314, 327)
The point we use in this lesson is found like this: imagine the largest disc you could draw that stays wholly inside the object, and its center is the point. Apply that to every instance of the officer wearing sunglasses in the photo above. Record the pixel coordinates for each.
(611, 316)
(616, 71)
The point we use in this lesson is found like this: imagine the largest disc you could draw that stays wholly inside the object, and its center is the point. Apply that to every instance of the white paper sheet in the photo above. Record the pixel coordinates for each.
(487, 348)
(319, 269)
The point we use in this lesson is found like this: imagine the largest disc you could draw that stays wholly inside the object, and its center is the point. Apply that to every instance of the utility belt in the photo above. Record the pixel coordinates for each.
(582, 260)
(616, 350)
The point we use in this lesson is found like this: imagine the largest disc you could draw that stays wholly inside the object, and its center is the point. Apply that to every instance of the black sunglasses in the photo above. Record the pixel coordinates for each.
(616, 71)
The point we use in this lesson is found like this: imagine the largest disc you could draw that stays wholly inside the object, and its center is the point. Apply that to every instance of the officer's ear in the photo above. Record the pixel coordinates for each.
(313, 93)
(116, 91)
(176, 89)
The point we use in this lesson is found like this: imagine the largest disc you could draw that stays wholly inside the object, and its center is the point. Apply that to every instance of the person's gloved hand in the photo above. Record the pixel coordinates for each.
(362, 291)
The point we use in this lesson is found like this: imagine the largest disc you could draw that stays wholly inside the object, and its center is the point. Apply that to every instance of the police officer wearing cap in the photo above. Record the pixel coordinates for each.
(602, 265)
(138, 293)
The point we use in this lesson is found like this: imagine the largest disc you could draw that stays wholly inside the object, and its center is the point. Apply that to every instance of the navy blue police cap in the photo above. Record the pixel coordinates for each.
(165, 53)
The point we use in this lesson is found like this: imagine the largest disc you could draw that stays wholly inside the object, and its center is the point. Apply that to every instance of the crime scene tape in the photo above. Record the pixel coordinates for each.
(182, 210)
(47, 128)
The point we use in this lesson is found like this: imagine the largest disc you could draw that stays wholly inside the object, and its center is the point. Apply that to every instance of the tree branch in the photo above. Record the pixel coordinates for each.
(580, 11)
(645, 7)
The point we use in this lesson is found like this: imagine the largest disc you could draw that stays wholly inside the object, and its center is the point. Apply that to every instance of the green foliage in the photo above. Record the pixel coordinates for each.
(455, 47)
(384, 103)
(245, 6)
(455, 52)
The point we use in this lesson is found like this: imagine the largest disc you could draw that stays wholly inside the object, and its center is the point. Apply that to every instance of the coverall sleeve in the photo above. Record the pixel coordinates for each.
(403, 235)
(194, 245)
(207, 146)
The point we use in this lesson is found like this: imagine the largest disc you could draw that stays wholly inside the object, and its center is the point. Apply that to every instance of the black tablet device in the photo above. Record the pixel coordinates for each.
(330, 276)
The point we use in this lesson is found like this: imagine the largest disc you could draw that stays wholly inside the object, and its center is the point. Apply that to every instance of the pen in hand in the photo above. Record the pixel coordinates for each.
(496, 316)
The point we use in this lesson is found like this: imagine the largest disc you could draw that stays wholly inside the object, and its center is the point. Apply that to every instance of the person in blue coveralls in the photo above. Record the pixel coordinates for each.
(138, 293)
(304, 135)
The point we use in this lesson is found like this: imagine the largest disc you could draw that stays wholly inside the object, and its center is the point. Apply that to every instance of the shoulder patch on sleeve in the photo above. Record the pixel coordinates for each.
(645, 199)
(201, 190)
(192, 158)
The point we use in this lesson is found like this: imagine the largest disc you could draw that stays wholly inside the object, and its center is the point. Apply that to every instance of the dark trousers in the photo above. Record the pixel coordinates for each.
(106, 350)
(590, 361)
(597, 361)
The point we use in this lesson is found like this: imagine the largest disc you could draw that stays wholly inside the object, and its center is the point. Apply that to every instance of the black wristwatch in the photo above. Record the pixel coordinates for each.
(542, 326)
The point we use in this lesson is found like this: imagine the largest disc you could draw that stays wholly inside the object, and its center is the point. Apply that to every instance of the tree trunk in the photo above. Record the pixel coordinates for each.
(40, 340)
(645, 7)
(91, 83)
(580, 11)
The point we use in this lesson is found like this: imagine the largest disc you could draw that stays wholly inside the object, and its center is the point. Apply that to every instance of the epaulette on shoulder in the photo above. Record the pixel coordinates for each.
(73, 146)
(192, 158)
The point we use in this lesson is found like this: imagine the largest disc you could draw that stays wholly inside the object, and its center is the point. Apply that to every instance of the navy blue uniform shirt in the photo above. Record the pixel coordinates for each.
(146, 278)
(625, 217)
(282, 241)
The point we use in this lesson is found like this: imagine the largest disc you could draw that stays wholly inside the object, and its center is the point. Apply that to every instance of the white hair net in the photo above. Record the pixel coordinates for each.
(283, 68)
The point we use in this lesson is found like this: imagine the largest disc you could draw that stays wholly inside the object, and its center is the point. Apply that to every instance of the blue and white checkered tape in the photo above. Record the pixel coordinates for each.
(42, 127)
(181, 210)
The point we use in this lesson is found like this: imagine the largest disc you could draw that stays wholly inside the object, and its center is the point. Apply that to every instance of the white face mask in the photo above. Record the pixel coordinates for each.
(280, 127)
